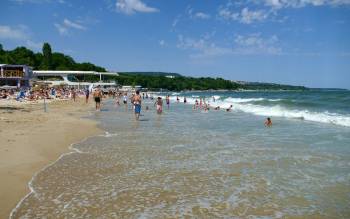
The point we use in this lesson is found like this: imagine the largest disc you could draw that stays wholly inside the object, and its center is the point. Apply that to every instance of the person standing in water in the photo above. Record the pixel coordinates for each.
(97, 94)
(125, 100)
(159, 105)
(167, 100)
(268, 122)
(137, 103)
(185, 100)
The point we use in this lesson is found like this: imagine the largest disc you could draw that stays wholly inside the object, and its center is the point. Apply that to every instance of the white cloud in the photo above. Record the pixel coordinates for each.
(302, 3)
(19, 33)
(72, 24)
(248, 17)
(202, 47)
(196, 15)
(66, 25)
(201, 15)
(162, 43)
(61, 29)
(254, 44)
(132, 6)
(244, 16)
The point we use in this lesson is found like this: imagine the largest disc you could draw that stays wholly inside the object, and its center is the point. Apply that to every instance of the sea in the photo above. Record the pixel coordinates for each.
(192, 163)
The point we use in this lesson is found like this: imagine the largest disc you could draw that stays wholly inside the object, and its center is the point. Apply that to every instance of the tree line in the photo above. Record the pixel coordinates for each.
(178, 83)
(46, 60)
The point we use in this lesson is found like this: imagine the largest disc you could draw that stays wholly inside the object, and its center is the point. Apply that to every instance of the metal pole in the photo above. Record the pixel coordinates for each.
(45, 107)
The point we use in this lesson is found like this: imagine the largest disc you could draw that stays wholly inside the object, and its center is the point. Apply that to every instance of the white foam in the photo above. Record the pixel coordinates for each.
(244, 105)
(30, 183)
(279, 111)
(242, 100)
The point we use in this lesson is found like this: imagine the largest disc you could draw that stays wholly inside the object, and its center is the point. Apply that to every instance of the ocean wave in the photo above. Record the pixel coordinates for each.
(243, 100)
(279, 111)
(246, 105)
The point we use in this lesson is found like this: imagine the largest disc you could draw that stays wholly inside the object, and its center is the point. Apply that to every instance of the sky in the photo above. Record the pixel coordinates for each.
(298, 42)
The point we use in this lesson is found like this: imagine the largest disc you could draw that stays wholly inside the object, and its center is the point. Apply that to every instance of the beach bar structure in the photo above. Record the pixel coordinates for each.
(15, 75)
(76, 79)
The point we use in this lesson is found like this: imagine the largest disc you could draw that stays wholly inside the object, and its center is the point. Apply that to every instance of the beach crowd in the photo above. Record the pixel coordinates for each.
(135, 98)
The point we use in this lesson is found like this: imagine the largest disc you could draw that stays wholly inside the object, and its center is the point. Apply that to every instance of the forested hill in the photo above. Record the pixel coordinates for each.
(47, 60)
(152, 73)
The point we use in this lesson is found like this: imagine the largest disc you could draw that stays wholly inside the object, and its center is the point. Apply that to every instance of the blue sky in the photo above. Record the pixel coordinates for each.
(300, 42)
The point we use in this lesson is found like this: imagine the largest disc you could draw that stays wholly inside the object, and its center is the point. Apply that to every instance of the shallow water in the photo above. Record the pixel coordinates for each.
(185, 164)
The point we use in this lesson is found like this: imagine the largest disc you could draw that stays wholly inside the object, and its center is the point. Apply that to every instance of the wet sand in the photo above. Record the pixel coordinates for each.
(31, 139)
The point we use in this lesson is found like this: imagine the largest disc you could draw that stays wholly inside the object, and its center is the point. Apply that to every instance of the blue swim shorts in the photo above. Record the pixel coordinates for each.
(137, 108)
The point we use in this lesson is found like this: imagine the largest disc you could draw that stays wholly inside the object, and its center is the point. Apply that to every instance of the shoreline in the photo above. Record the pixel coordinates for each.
(32, 140)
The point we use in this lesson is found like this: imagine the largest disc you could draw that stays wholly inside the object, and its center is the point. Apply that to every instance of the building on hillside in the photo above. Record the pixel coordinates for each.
(15, 76)
(76, 79)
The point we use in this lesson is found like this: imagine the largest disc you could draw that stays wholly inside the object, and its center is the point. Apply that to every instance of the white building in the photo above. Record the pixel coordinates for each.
(131, 88)
(77, 79)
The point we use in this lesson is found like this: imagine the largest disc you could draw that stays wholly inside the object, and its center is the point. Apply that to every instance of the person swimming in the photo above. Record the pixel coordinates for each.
(229, 109)
(268, 122)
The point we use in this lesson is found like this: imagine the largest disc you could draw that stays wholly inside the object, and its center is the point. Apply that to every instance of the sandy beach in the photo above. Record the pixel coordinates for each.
(31, 139)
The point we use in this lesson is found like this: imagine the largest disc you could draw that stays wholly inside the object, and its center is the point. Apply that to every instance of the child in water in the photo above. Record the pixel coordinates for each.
(268, 122)
(159, 104)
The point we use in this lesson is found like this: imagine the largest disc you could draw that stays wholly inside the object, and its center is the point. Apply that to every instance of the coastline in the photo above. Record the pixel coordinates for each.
(31, 139)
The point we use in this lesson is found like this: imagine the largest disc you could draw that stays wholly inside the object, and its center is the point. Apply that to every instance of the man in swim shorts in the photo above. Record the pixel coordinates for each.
(97, 97)
(137, 103)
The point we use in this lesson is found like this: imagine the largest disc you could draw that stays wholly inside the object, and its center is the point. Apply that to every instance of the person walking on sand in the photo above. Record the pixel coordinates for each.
(74, 94)
(97, 94)
(159, 105)
(87, 94)
(137, 103)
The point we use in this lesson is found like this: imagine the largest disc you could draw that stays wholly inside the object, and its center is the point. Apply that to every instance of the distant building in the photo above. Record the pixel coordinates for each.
(77, 79)
(131, 88)
(170, 76)
(15, 75)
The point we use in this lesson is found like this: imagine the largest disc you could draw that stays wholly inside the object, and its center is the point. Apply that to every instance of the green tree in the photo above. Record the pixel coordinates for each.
(46, 63)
